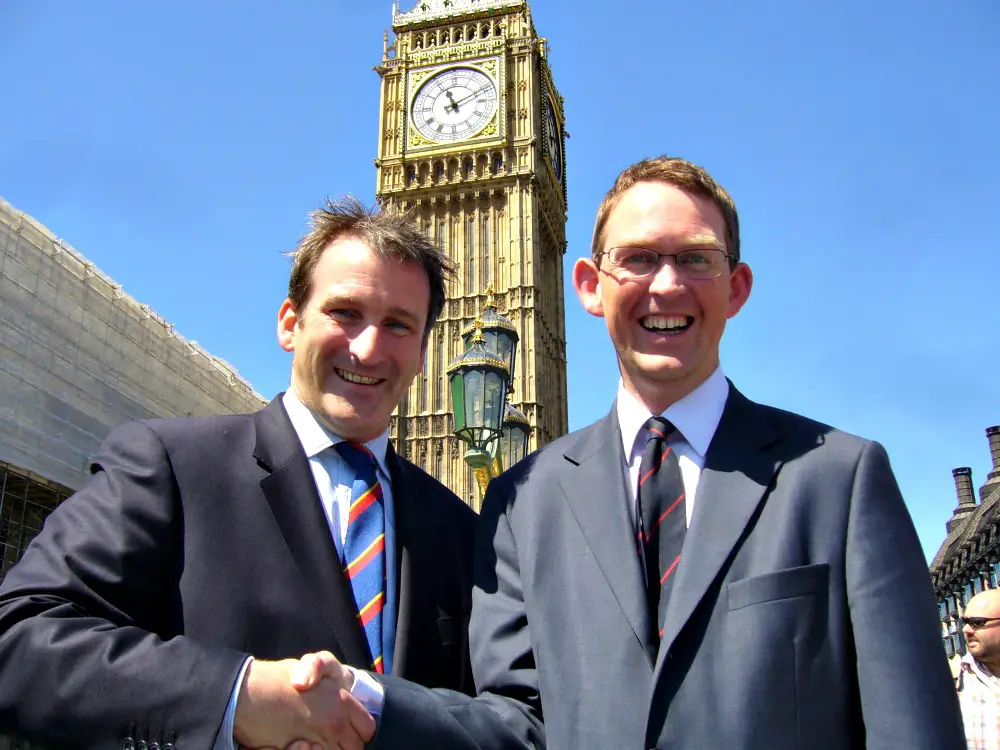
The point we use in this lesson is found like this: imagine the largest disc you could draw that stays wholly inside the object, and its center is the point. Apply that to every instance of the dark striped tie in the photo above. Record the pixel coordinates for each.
(364, 548)
(662, 517)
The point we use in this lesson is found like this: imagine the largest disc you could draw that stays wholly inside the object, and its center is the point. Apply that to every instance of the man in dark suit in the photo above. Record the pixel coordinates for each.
(694, 570)
(167, 600)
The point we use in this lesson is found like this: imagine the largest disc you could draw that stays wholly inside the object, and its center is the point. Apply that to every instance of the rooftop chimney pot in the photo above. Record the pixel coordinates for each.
(993, 478)
(963, 486)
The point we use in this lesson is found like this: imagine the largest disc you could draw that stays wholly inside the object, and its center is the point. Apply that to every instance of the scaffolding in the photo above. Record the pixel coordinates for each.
(78, 356)
(25, 503)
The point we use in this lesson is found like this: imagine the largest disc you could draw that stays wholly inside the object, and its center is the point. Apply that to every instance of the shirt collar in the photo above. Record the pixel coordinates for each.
(316, 437)
(696, 416)
(966, 662)
(969, 663)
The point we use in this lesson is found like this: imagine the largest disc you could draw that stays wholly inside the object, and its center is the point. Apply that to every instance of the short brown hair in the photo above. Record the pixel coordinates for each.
(389, 235)
(680, 173)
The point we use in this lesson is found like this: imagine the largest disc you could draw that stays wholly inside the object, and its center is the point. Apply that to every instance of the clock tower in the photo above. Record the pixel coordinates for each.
(471, 140)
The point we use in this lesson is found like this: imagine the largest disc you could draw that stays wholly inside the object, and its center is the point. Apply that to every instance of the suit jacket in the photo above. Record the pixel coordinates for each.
(194, 543)
(802, 615)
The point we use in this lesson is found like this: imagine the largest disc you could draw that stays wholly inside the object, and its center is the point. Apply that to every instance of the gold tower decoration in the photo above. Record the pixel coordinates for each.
(471, 132)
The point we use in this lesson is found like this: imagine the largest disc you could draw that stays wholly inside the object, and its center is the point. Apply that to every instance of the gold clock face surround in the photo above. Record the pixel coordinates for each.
(454, 104)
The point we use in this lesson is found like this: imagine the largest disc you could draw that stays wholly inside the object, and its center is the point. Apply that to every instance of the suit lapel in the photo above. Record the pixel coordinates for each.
(738, 470)
(597, 492)
(294, 501)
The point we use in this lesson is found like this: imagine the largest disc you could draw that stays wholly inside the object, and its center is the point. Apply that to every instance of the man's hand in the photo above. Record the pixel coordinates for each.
(272, 712)
(311, 668)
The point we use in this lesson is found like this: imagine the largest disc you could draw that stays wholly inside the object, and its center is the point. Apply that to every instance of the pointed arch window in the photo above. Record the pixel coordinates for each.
(423, 390)
(486, 250)
(439, 378)
(470, 255)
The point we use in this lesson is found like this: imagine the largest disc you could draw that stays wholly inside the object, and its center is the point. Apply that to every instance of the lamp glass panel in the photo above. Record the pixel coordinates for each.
(521, 443)
(458, 400)
(506, 447)
(475, 393)
(494, 392)
(501, 343)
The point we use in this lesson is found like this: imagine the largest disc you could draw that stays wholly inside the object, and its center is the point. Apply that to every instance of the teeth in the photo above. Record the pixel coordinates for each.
(353, 377)
(665, 322)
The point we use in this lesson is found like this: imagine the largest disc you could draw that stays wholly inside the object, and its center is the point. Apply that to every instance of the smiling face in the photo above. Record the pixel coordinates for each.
(666, 328)
(357, 341)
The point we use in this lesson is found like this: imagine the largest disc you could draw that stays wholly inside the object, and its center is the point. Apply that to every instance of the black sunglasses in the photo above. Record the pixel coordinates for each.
(976, 622)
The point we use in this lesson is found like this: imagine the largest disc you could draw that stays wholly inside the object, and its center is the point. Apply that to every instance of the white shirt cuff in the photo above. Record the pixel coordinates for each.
(368, 691)
(224, 739)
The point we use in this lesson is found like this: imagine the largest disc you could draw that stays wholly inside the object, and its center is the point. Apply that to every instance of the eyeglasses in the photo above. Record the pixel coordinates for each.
(976, 622)
(639, 262)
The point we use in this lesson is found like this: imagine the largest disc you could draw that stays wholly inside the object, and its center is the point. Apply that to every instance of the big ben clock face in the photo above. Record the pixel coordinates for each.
(554, 140)
(454, 104)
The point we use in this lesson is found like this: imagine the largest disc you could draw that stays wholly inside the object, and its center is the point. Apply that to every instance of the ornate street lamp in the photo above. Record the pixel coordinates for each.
(479, 380)
(491, 451)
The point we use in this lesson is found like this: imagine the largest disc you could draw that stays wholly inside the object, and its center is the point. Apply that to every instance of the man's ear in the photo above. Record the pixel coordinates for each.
(740, 283)
(587, 282)
(287, 321)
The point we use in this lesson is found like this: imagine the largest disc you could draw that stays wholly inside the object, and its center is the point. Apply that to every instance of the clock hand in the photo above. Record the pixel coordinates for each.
(470, 96)
(454, 104)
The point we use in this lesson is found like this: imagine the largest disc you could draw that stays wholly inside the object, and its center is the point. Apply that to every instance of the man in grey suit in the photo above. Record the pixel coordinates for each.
(694, 570)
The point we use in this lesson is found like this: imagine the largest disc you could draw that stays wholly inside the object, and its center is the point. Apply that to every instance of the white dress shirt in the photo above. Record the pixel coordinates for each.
(334, 479)
(696, 417)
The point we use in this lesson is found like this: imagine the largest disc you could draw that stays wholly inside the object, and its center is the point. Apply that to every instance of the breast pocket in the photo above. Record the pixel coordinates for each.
(790, 583)
(775, 633)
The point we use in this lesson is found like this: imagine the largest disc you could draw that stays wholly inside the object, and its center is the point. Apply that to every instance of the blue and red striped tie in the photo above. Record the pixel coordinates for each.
(662, 518)
(364, 548)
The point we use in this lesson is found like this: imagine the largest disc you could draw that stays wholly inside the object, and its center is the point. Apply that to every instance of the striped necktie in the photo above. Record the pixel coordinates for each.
(364, 548)
(662, 517)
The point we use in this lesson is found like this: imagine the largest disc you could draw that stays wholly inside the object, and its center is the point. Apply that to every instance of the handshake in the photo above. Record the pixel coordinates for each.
(301, 704)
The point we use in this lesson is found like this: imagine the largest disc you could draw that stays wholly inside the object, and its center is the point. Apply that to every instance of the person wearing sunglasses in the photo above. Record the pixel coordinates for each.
(978, 679)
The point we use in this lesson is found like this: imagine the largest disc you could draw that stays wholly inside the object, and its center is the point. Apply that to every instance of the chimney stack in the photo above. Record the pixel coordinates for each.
(963, 485)
(993, 478)
(966, 498)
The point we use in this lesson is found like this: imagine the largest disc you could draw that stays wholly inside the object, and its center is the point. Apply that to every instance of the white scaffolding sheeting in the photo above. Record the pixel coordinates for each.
(79, 356)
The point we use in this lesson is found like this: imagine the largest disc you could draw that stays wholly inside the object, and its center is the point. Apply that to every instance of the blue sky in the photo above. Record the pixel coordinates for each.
(180, 145)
